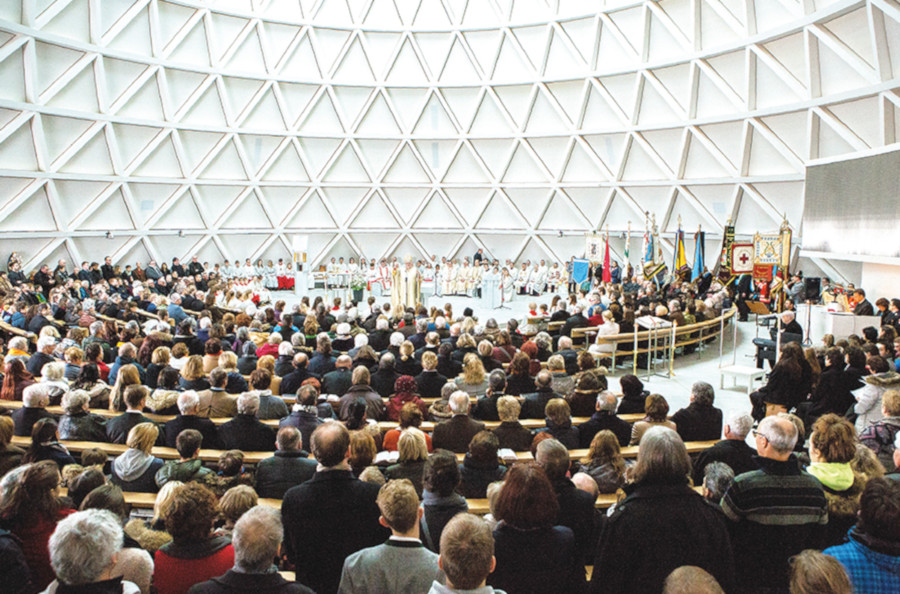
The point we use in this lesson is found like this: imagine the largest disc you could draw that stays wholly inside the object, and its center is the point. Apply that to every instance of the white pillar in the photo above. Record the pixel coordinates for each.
(301, 266)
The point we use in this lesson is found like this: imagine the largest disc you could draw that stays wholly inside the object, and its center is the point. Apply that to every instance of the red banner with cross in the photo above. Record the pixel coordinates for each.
(741, 258)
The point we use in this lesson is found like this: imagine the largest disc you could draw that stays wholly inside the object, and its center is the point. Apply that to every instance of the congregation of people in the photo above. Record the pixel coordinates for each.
(353, 494)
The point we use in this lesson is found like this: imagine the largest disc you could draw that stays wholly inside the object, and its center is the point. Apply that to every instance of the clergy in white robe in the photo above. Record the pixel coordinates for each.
(463, 278)
(406, 287)
(490, 288)
(507, 285)
(448, 279)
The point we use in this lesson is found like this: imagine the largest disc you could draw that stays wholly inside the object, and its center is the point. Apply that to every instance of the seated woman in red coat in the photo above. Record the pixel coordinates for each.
(405, 390)
(194, 555)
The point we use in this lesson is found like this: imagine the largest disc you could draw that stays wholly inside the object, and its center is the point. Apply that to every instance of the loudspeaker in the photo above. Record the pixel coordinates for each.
(812, 287)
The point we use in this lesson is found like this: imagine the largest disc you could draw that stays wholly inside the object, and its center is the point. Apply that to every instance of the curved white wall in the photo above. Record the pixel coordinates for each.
(432, 126)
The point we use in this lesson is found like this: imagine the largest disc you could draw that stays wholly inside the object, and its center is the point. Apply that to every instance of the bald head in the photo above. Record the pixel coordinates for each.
(343, 362)
(300, 360)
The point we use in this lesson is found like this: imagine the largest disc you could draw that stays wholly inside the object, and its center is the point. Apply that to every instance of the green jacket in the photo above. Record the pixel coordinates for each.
(173, 470)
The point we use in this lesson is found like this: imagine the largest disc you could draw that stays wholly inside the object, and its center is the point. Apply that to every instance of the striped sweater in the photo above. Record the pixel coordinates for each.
(777, 511)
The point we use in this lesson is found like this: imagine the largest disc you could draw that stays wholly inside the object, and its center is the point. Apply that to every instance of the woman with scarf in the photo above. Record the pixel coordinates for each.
(405, 390)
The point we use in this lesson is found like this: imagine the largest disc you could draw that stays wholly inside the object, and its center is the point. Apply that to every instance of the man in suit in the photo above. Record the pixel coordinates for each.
(577, 320)
(430, 381)
(402, 564)
(733, 450)
(338, 381)
(765, 348)
(117, 428)
(290, 466)
(385, 376)
(456, 433)
(216, 402)
(331, 516)
(35, 399)
(189, 418)
(576, 507)
(292, 381)
(107, 269)
(535, 402)
(862, 305)
(604, 418)
(569, 355)
(246, 432)
(700, 420)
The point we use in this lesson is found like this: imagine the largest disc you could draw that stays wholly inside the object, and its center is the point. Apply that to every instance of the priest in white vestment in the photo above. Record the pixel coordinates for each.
(406, 287)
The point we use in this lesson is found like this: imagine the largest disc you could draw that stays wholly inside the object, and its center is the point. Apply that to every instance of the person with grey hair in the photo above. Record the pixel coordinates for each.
(418, 339)
(700, 420)
(562, 383)
(290, 465)
(18, 349)
(661, 501)
(245, 432)
(456, 433)
(535, 403)
(576, 507)
(127, 356)
(486, 406)
(83, 550)
(78, 424)
(777, 511)
(44, 355)
(385, 376)
(733, 450)
(35, 399)
(257, 540)
(604, 418)
(717, 477)
(189, 418)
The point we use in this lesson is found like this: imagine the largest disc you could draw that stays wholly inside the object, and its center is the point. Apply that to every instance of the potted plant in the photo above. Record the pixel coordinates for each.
(357, 285)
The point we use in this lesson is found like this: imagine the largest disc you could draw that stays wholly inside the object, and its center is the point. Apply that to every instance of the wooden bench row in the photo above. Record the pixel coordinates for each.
(478, 507)
(624, 344)
(384, 425)
(208, 455)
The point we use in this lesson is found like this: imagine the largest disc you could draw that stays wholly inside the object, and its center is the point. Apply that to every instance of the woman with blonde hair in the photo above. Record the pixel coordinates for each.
(604, 462)
(406, 363)
(473, 379)
(192, 376)
(656, 410)
(128, 376)
(151, 534)
(236, 382)
(268, 363)
(362, 451)
(411, 463)
(134, 469)
(159, 360)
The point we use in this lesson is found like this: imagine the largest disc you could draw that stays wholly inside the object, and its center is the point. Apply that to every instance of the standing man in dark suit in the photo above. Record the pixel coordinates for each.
(245, 432)
(107, 269)
(117, 428)
(455, 434)
(338, 381)
(863, 307)
(289, 467)
(331, 516)
(189, 418)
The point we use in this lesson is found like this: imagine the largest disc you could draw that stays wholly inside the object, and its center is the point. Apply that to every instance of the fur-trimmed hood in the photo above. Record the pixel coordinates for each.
(889, 380)
(150, 539)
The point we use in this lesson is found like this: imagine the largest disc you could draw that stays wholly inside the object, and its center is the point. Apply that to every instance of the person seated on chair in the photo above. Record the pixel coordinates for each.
(765, 348)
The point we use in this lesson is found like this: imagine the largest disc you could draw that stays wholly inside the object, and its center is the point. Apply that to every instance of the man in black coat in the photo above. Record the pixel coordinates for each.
(107, 269)
(35, 399)
(40, 319)
(304, 416)
(430, 381)
(330, 516)
(486, 406)
(733, 450)
(338, 381)
(569, 355)
(576, 507)
(862, 305)
(188, 408)
(36, 362)
(765, 348)
(577, 320)
(380, 338)
(700, 421)
(456, 433)
(385, 376)
(117, 428)
(292, 381)
(290, 466)
(535, 402)
(604, 418)
(245, 432)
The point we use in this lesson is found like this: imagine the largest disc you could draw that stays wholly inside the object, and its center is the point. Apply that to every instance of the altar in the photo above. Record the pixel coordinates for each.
(817, 321)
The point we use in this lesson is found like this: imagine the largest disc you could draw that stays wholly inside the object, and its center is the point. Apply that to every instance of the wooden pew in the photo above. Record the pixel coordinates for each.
(31, 336)
(208, 455)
